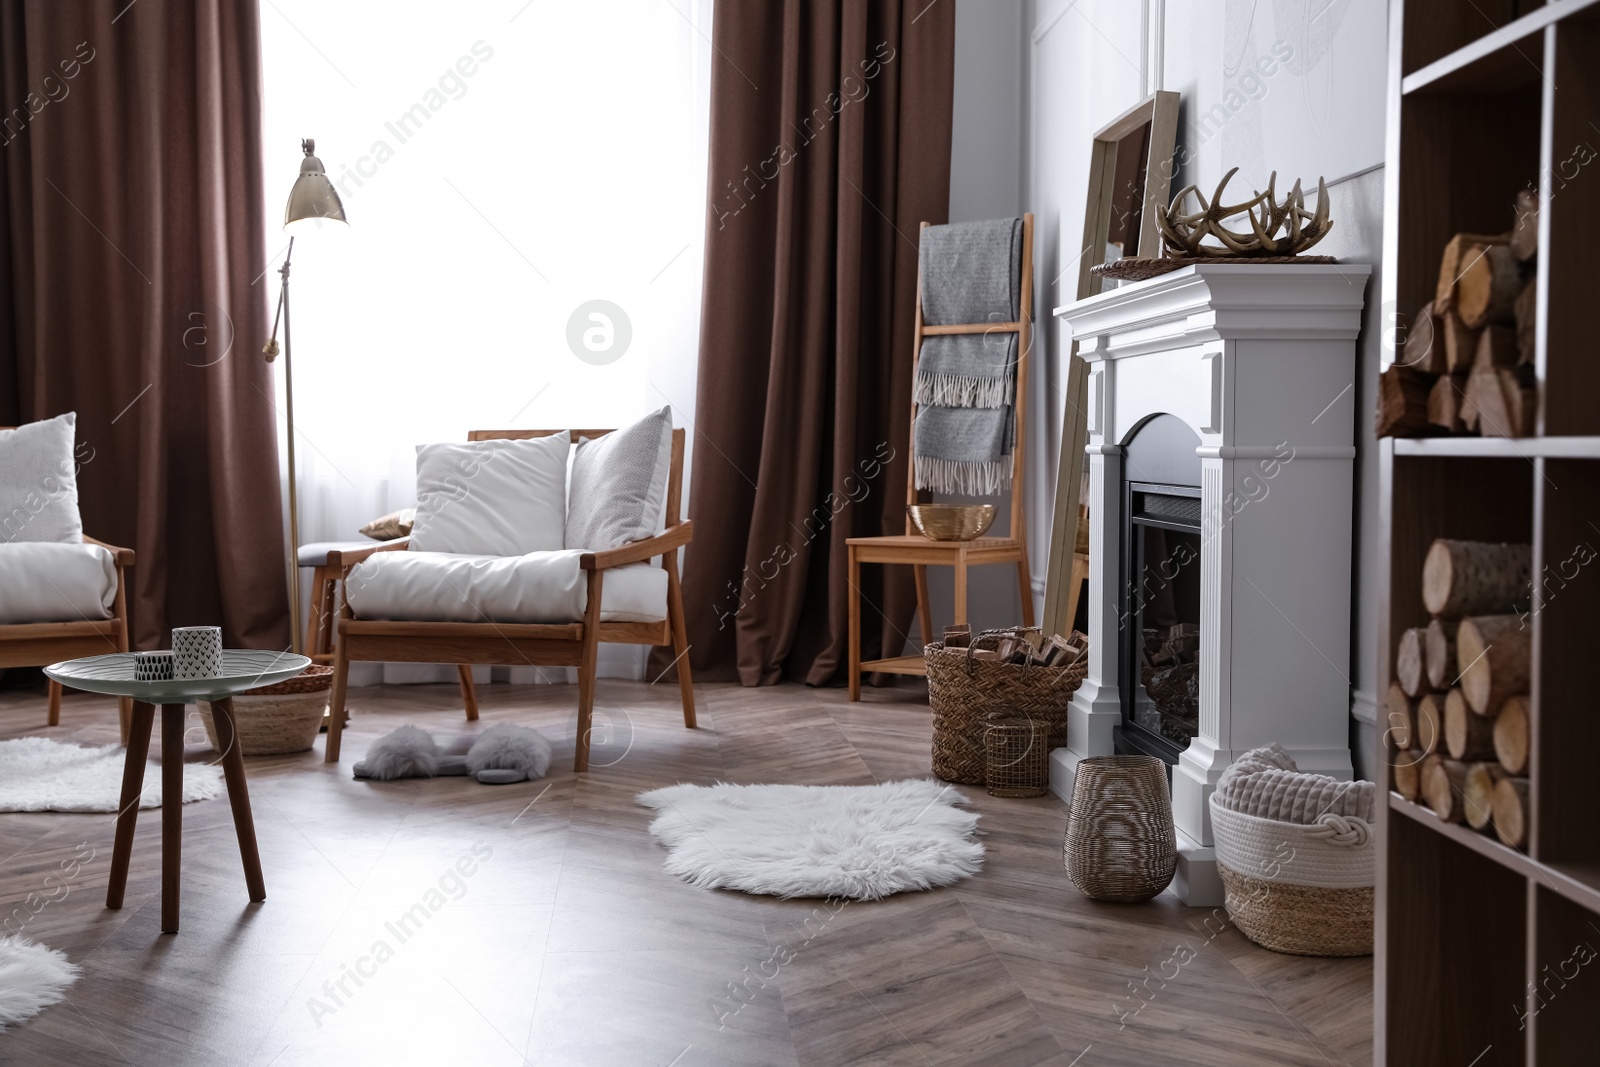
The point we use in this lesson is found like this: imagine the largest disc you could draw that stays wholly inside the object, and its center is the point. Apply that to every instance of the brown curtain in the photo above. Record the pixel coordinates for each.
(830, 142)
(132, 292)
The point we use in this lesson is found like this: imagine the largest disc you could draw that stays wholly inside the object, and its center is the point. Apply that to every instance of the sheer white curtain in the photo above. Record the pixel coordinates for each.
(502, 164)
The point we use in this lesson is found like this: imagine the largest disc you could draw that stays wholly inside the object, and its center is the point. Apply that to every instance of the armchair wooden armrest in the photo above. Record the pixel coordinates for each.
(122, 557)
(638, 551)
(344, 559)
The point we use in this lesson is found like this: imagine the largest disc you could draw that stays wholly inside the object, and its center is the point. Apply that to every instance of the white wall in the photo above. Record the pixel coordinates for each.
(1082, 62)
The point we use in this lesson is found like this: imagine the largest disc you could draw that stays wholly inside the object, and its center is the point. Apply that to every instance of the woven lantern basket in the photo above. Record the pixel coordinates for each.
(1017, 758)
(1305, 889)
(968, 695)
(1120, 842)
(277, 719)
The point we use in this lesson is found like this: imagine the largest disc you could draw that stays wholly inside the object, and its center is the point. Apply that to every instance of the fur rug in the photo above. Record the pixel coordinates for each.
(38, 774)
(32, 977)
(860, 842)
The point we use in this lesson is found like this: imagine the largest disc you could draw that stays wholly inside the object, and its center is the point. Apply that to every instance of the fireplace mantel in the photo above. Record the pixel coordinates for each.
(1259, 360)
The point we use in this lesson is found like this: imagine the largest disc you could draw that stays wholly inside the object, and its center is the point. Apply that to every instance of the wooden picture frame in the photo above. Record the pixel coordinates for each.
(1130, 178)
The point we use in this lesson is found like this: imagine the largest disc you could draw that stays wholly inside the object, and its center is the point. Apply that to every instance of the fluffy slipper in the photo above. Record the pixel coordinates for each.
(452, 767)
(505, 753)
(407, 752)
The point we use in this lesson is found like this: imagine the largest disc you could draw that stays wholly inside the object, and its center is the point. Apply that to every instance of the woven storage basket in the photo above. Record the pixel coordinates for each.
(1017, 758)
(968, 694)
(1301, 889)
(276, 719)
(1120, 843)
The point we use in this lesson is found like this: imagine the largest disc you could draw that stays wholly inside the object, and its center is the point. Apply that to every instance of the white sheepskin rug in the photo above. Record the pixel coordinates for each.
(859, 842)
(38, 774)
(32, 977)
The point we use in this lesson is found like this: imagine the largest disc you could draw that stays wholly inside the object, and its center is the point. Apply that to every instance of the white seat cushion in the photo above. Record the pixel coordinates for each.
(52, 581)
(547, 587)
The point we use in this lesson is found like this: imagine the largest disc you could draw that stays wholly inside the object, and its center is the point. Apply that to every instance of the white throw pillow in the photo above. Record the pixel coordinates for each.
(492, 498)
(39, 482)
(619, 483)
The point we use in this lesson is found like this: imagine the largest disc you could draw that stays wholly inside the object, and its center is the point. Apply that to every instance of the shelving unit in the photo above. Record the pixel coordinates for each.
(1475, 941)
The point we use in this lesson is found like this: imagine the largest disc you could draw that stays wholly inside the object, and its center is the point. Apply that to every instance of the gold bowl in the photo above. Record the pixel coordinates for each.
(951, 522)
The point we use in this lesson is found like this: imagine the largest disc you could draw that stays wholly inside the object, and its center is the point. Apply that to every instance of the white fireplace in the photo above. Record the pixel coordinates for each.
(1258, 362)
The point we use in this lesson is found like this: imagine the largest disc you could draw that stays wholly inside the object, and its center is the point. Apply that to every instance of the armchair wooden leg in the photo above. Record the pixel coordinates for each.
(469, 695)
(855, 624)
(680, 639)
(924, 606)
(125, 717)
(54, 716)
(341, 674)
(319, 609)
(1025, 586)
(586, 671)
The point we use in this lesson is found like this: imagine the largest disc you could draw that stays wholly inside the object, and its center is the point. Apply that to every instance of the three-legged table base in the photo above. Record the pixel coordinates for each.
(172, 716)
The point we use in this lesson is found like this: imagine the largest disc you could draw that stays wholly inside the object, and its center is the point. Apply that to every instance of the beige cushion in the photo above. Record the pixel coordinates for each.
(540, 587)
(1264, 782)
(48, 581)
(388, 527)
(39, 482)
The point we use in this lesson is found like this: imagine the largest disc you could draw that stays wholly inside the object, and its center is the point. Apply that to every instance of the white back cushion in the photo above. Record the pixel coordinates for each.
(492, 498)
(619, 484)
(39, 482)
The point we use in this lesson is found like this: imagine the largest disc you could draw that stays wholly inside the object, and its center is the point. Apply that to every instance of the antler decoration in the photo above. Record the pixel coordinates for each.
(1183, 233)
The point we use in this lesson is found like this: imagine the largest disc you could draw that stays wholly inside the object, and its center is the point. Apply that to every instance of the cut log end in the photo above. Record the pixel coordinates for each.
(1405, 774)
(1401, 713)
(1430, 723)
(1511, 735)
(1443, 782)
(1494, 651)
(1468, 736)
(1410, 666)
(1439, 650)
(1511, 811)
(1477, 799)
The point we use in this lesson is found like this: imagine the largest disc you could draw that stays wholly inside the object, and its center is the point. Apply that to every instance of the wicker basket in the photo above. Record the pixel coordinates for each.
(276, 719)
(1301, 889)
(969, 694)
(1120, 842)
(1017, 760)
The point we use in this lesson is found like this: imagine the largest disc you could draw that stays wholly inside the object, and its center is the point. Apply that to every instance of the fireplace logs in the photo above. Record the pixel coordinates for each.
(1458, 707)
(1467, 361)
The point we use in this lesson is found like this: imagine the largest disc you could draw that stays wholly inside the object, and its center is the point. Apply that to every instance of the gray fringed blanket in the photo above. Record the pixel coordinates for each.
(966, 383)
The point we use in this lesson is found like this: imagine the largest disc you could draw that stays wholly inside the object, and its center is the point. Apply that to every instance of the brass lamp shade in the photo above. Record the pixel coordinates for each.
(313, 200)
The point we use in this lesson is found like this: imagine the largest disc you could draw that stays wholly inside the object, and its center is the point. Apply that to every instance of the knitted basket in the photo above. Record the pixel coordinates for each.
(967, 695)
(1300, 889)
(1120, 843)
(276, 719)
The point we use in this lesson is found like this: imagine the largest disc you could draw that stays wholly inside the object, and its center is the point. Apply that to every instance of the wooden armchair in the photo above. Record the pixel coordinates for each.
(573, 644)
(39, 644)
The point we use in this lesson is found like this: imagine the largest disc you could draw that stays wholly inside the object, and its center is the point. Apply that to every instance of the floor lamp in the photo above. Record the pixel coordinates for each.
(312, 201)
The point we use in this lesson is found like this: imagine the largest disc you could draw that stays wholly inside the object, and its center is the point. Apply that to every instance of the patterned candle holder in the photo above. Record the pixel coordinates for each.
(152, 666)
(196, 651)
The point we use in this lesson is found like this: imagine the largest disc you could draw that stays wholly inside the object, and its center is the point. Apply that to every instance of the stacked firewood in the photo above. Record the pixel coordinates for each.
(1022, 645)
(1458, 708)
(1467, 364)
(1170, 671)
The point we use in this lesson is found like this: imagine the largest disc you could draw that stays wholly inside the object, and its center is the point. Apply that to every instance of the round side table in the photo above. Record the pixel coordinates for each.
(113, 675)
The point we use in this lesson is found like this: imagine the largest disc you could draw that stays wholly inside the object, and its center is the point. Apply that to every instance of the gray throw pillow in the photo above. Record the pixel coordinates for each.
(39, 482)
(619, 483)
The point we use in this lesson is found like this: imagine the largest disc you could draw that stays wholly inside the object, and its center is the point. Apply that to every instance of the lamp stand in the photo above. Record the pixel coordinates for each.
(271, 352)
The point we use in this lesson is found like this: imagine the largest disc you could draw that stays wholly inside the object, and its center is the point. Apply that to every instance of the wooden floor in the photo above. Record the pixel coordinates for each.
(568, 944)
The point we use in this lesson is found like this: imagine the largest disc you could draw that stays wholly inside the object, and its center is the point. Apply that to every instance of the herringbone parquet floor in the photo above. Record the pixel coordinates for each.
(568, 944)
